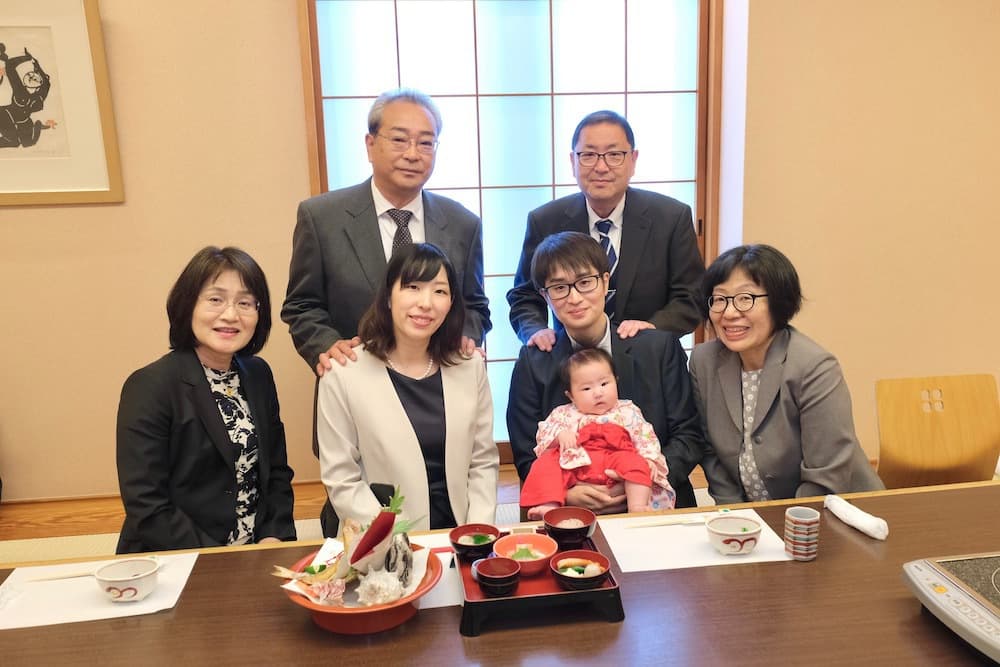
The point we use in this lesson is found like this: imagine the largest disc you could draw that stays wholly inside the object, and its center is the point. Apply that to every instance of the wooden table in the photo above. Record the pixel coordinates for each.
(849, 606)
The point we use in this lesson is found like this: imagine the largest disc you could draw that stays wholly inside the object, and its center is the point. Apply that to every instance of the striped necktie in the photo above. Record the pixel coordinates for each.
(402, 220)
(603, 228)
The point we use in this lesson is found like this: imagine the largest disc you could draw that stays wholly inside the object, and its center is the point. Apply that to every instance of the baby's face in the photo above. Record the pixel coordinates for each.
(593, 388)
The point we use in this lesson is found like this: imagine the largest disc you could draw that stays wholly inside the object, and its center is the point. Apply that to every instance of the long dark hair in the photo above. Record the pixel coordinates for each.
(418, 262)
(205, 266)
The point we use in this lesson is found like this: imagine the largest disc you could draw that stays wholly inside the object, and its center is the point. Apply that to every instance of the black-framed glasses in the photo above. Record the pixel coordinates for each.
(400, 143)
(245, 305)
(742, 302)
(582, 285)
(611, 158)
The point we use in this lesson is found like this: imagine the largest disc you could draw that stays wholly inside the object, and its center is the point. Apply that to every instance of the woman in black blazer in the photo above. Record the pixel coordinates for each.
(201, 447)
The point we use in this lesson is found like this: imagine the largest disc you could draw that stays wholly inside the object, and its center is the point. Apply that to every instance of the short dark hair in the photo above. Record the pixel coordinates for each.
(572, 251)
(207, 264)
(767, 267)
(587, 355)
(401, 95)
(417, 262)
(604, 116)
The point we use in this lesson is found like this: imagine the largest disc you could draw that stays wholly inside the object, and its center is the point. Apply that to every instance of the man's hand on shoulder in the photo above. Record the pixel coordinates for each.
(340, 352)
(469, 348)
(543, 339)
(629, 328)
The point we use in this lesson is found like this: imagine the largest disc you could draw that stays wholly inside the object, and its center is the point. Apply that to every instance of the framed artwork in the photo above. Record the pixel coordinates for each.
(57, 132)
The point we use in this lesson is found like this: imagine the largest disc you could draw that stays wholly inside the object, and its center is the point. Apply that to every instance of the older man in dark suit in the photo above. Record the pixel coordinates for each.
(649, 238)
(571, 270)
(343, 239)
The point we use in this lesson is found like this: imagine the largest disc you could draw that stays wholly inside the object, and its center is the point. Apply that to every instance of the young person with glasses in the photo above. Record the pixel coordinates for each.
(774, 405)
(570, 271)
(654, 263)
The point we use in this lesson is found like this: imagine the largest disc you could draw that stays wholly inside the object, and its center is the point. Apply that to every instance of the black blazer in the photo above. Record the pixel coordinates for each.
(652, 372)
(659, 272)
(177, 465)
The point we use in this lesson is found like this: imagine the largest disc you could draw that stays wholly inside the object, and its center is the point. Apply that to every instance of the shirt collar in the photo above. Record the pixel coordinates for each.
(415, 206)
(603, 344)
(616, 214)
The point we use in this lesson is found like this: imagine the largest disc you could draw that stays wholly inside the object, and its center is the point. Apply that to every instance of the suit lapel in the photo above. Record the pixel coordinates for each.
(207, 409)
(364, 235)
(435, 226)
(577, 219)
(635, 232)
(729, 370)
(770, 378)
(621, 352)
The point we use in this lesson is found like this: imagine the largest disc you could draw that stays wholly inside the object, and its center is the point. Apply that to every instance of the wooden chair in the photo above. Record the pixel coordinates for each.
(937, 430)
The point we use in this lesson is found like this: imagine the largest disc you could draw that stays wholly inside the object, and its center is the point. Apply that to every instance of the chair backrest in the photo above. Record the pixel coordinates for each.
(937, 430)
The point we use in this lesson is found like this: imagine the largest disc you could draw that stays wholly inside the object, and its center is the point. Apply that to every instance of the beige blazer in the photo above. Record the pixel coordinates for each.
(365, 437)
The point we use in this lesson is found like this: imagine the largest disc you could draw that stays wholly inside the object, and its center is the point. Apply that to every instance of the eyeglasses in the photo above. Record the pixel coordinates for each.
(611, 158)
(582, 285)
(244, 305)
(400, 143)
(742, 302)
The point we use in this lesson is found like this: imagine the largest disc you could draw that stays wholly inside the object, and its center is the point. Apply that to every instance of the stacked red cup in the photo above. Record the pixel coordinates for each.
(801, 532)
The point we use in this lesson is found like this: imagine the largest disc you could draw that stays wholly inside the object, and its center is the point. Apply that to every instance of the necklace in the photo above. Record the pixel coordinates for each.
(427, 371)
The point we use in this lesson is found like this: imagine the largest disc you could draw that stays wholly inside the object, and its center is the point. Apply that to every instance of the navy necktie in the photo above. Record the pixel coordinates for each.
(402, 236)
(603, 228)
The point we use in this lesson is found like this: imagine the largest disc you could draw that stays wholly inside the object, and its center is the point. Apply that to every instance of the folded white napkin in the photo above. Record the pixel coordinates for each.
(870, 525)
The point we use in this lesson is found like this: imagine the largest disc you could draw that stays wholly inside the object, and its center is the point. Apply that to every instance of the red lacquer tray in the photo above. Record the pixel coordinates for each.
(538, 592)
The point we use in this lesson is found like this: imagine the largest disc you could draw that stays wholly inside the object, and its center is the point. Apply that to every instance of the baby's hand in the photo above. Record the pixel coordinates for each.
(567, 438)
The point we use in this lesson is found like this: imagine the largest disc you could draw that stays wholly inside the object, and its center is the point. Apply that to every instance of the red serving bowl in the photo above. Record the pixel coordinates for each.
(542, 544)
(366, 620)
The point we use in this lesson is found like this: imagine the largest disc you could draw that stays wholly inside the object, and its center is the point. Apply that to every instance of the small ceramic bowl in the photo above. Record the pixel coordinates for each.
(543, 545)
(471, 552)
(570, 537)
(733, 535)
(582, 582)
(497, 576)
(128, 580)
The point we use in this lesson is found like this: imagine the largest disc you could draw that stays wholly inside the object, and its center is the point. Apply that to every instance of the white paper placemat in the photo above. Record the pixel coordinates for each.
(672, 547)
(25, 603)
(448, 590)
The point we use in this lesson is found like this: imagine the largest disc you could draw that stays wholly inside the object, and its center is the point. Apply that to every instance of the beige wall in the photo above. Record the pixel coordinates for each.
(209, 107)
(872, 161)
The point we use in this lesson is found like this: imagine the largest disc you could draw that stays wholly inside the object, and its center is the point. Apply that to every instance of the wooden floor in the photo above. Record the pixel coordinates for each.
(87, 516)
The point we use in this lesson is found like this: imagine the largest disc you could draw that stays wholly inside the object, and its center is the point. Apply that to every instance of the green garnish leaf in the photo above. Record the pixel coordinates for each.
(479, 538)
(396, 502)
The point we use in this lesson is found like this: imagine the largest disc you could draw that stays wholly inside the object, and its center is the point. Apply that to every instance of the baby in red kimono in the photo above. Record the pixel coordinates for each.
(597, 433)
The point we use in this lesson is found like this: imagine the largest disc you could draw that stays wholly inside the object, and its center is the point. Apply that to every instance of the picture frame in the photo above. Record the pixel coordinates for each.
(58, 143)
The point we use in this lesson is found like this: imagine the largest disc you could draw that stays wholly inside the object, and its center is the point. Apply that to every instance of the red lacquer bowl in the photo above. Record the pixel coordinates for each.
(366, 620)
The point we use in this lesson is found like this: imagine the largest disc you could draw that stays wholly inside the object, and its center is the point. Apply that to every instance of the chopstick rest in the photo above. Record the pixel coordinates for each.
(868, 524)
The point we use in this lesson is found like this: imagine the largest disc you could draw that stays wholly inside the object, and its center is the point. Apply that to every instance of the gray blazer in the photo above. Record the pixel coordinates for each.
(658, 278)
(338, 262)
(804, 440)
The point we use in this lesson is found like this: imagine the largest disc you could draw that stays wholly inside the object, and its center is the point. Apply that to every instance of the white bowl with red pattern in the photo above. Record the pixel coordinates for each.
(128, 580)
(733, 535)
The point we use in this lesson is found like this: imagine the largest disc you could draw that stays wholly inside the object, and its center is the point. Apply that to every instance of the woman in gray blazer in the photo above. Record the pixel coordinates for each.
(774, 405)
(412, 412)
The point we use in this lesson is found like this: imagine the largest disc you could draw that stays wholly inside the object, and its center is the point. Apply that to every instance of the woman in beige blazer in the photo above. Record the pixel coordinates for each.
(774, 405)
(412, 412)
